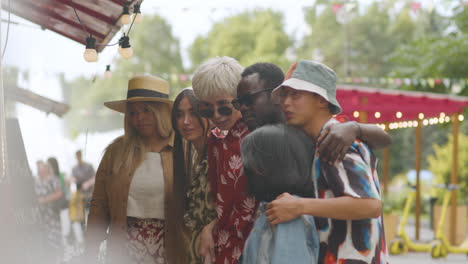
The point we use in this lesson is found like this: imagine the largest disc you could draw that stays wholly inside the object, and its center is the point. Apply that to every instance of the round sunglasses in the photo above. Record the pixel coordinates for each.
(208, 112)
(247, 99)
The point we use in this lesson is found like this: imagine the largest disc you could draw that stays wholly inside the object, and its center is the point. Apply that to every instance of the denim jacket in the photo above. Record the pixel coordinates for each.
(296, 241)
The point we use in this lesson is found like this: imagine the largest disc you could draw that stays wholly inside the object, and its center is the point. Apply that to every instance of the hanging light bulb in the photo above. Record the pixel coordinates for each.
(90, 54)
(107, 73)
(125, 18)
(137, 13)
(125, 49)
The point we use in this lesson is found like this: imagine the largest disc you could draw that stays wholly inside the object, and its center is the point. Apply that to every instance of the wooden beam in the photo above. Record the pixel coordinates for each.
(363, 114)
(74, 4)
(49, 13)
(454, 179)
(37, 101)
(418, 171)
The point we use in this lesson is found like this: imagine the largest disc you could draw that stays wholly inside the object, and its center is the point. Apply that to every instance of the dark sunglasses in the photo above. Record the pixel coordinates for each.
(246, 99)
(208, 112)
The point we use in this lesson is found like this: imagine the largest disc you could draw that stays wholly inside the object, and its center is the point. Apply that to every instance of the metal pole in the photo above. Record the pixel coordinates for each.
(2, 119)
(418, 170)
(386, 159)
(346, 47)
(454, 179)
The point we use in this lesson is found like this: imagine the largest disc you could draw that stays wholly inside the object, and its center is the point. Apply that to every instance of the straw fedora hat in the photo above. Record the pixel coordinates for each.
(143, 88)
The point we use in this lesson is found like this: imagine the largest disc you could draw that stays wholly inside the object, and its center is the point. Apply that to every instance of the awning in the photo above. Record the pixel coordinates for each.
(101, 17)
(385, 105)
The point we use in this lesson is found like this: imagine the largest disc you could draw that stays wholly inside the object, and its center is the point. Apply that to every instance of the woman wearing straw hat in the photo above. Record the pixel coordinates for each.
(132, 200)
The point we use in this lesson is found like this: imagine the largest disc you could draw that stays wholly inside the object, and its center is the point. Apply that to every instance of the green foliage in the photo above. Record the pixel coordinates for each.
(461, 18)
(372, 35)
(441, 165)
(156, 51)
(434, 57)
(249, 37)
(439, 52)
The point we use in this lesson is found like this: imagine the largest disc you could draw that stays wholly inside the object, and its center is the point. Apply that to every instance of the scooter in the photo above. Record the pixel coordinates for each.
(402, 243)
(441, 246)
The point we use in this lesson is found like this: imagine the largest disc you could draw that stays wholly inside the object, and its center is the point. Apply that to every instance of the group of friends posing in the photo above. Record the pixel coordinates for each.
(247, 166)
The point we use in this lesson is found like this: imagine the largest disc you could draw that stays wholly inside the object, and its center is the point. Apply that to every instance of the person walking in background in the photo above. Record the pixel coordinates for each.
(132, 205)
(49, 192)
(192, 190)
(83, 174)
(64, 211)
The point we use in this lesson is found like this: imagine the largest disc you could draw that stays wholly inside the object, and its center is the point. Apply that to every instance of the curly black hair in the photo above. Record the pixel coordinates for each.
(269, 73)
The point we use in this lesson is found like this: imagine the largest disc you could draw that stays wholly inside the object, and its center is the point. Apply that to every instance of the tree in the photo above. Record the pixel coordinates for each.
(373, 32)
(156, 51)
(440, 53)
(249, 37)
(441, 165)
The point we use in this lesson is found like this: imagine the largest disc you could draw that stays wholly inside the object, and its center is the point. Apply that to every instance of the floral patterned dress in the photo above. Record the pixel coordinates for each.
(201, 208)
(234, 208)
(50, 217)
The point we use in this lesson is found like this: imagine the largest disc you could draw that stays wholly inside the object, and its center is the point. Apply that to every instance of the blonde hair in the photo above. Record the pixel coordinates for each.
(217, 76)
(133, 147)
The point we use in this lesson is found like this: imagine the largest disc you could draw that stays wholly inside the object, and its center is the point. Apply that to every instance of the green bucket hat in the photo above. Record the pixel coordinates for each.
(313, 77)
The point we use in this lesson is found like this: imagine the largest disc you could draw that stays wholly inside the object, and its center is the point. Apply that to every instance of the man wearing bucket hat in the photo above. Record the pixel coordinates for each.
(133, 190)
(348, 213)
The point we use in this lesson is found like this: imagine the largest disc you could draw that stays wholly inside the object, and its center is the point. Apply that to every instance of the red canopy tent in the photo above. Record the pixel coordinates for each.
(397, 109)
(383, 105)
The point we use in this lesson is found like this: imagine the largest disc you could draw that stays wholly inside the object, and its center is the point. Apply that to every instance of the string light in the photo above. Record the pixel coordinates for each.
(421, 116)
(447, 119)
(399, 115)
(125, 18)
(461, 118)
(356, 114)
(137, 13)
(107, 73)
(90, 54)
(125, 49)
(425, 122)
(377, 114)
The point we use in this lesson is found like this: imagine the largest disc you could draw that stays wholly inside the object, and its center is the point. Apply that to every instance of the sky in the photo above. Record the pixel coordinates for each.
(44, 54)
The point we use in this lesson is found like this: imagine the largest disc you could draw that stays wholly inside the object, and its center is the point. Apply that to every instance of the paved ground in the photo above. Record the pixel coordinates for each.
(425, 258)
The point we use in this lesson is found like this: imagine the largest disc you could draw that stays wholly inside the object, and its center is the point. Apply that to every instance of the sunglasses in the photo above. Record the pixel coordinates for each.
(246, 99)
(208, 112)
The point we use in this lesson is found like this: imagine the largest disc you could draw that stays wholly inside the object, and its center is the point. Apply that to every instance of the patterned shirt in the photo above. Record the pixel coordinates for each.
(234, 208)
(350, 241)
(201, 208)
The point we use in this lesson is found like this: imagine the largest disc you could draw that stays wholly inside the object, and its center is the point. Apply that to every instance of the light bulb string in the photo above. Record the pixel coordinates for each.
(8, 30)
(79, 20)
(99, 43)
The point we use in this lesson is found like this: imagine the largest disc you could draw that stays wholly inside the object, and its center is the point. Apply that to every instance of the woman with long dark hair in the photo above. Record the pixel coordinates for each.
(192, 193)
(278, 159)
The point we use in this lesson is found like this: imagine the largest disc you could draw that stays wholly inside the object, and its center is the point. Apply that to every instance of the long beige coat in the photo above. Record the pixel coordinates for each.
(108, 213)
